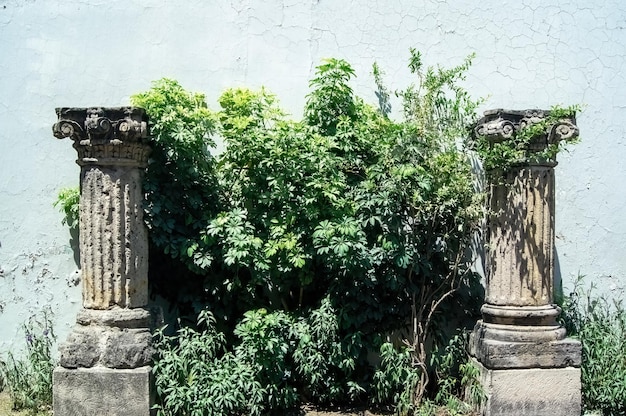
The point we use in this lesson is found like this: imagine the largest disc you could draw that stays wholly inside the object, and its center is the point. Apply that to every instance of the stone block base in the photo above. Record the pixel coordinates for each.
(495, 353)
(114, 338)
(102, 391)
(531, 392)
(504, 355)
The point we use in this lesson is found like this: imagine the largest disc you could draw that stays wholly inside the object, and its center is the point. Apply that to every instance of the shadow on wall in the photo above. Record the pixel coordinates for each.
(73, 242)
(558, 278)
(74, 278)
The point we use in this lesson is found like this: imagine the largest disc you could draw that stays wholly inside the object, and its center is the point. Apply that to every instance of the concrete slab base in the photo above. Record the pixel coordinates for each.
(102, 391)
(531, 392)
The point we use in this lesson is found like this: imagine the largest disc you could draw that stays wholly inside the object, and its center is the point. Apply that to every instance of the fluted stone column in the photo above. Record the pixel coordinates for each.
(105, 360)
(528, 365)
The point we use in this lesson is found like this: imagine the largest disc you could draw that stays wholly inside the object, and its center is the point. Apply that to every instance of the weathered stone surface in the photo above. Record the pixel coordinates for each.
(127, 348)
(100, 125)
(82, 348)
(520, 231)
(531, 392)
(505, 354)
(527, 366)
(117, 317)
(105, 359)
(113, 238)
(520, 259)
(499, 125)
(543, 315)
(534, 324)
(112, 152)
(117, 338)
(102, 391)
(519, 333)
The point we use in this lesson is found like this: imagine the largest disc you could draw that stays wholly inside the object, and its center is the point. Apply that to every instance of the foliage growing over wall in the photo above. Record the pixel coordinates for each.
(313, 239)
(504, 155)
(346, 214)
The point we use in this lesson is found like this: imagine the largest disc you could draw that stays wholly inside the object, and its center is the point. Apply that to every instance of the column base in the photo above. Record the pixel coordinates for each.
(531, 391)
(495, 353)
(114, 338)
(527, 378)
(102, 391)
(521, 323)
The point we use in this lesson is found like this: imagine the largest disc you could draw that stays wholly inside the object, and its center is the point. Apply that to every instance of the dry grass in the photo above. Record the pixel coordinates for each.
(6, 408)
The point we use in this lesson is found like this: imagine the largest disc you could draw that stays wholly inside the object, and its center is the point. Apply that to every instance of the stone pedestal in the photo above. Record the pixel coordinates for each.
(105, 362)
(528, 365)
(531, 391)
(102, 391)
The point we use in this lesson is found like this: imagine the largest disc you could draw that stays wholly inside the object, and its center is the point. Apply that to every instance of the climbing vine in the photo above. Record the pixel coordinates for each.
(503, 155)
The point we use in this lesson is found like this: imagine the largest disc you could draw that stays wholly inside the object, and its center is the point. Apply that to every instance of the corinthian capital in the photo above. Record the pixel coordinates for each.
(105, 136)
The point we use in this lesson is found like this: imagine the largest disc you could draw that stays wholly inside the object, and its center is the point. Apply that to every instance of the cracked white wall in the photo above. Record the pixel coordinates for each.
(530, 53)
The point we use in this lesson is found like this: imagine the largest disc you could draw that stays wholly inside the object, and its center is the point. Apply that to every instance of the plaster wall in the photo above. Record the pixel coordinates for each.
(530, 53)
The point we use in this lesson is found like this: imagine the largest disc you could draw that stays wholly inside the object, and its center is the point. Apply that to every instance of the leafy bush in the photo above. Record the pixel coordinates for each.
(395, 379)
(180, 182)
(29, 379)
(68, 202)
(600, 324)
(279, 357)
(326, 363)
(356, 217)
(193, 374)
(311, 238)
(458, 390)
(347, 209)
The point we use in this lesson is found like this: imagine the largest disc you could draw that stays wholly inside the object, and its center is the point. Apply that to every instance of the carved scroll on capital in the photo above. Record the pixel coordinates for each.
(563, 130)
(105, 136)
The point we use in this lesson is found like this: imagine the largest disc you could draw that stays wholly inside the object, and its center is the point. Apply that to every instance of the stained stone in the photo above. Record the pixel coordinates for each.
(118, 317)
(105, 360)
(127, 348)
(81, 349)
(519, 343)
(103, 391)
(532, 391)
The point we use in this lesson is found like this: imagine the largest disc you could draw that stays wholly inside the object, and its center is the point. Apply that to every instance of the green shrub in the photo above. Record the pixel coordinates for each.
(280, 358)
(181, 195)
(68, 201)
(327, 363)
(195, 375)
(458, 391)
(29, 379)
(359, 219)
(600, 324)
(395, 380)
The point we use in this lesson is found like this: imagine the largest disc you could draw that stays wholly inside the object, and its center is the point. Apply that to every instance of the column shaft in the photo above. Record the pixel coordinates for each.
(113, 249)
(520, 265)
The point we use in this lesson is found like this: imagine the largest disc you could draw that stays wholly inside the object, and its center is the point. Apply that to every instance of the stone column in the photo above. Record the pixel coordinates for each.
(528, 365)
(105, 362)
